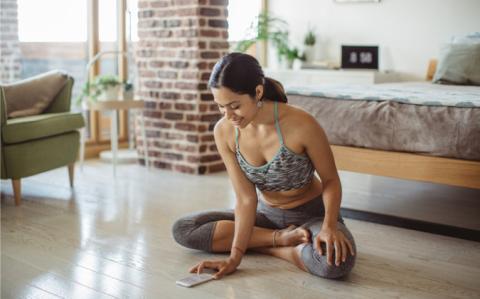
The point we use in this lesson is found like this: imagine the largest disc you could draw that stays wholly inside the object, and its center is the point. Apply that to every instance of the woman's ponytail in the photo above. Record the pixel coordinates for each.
(273, 90)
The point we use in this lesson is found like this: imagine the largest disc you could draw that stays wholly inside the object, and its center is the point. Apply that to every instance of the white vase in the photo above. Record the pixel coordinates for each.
(110, 94)
(309, 54)
(283, 63)
(289, 64)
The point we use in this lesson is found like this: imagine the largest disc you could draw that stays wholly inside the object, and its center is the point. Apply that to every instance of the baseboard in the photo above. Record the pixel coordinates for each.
(429, 227)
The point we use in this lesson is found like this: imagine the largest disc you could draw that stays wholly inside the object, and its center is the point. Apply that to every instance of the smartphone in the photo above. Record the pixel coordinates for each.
(194, 279)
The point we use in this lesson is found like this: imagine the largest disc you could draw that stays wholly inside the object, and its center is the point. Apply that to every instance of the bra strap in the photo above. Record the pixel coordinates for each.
(277, 125)
(236, 138)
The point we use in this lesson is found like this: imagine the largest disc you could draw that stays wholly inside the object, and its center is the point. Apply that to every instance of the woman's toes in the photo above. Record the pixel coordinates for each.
(306, 235)
(290, 228)
(292, 236)
(286, 236)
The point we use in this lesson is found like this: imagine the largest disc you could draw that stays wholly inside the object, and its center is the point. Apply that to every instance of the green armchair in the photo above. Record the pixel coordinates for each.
(37, 143)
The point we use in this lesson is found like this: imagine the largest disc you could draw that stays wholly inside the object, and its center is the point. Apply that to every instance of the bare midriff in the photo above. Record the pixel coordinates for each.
(293, 198)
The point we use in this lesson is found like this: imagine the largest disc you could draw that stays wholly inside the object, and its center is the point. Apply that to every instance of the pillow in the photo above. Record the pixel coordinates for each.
(33, 95)
(467, 39)
(459, 62)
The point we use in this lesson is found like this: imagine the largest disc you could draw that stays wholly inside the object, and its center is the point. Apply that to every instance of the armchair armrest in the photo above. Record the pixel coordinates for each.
(3, 107)
(62, 101)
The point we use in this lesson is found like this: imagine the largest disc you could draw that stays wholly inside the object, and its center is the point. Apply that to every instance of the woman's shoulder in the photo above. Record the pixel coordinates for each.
(294, 116)
(223, 132)
(222, 126)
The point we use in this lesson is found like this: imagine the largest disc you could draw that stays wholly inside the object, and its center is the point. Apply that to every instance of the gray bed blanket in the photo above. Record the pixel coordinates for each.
(437, 130)
(419, 93)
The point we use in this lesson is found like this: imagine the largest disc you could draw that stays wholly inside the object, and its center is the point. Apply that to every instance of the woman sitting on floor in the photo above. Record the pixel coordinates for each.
(270, 146)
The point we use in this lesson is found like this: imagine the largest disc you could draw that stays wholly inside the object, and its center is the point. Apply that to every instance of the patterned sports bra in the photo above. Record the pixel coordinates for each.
(286, 171)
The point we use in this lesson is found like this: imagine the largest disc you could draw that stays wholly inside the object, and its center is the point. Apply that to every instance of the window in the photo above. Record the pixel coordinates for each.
(53, 34)
(241, 14)
(40, 21)
(52, 40)
(132, 20)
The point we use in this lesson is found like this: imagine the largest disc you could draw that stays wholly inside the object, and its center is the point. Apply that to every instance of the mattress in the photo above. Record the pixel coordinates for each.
(422, 118)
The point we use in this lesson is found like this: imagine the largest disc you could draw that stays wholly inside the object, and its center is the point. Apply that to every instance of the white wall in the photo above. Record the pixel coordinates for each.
(408, 32)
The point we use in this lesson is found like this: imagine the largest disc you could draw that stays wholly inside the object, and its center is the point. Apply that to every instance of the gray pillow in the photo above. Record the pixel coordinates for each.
(33, 95)
(471, 38)
(459, 63)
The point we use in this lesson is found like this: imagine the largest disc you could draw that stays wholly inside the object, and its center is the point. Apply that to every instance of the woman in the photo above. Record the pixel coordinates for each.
(274, 148)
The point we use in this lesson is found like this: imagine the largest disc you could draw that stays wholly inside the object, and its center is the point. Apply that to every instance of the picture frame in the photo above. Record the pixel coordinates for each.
(359, 57)
(356, 1)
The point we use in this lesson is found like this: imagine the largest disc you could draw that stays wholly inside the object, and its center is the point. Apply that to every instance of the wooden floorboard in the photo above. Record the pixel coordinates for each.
(111, 238)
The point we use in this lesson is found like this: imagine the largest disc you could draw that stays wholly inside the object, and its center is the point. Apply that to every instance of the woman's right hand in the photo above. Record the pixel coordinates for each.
(223, 267)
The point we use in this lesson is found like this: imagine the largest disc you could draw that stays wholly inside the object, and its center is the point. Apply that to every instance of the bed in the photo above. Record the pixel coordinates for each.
(410, 130)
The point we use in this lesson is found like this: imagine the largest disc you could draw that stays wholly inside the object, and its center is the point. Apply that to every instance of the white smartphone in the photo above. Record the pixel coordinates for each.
(194, 279)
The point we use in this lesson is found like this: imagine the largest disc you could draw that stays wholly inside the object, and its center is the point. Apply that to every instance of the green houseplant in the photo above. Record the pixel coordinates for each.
(274, 30)
(290, 54)
(309, 43)
(265, 28)
(104, 87)
(310, 38)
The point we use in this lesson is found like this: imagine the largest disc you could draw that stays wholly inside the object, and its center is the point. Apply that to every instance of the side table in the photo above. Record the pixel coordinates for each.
(114, 106)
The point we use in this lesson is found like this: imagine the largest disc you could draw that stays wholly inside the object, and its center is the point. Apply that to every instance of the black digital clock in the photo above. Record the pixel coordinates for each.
(360, 57)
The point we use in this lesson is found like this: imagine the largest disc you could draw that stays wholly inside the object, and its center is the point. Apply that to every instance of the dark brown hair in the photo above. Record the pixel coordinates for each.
(241, 73)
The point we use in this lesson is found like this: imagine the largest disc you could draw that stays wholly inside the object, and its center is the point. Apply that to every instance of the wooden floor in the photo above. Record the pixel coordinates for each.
(111, 238)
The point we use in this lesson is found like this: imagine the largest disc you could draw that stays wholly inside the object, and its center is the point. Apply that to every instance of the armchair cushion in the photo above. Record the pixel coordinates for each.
(32, 96)
(28, 128)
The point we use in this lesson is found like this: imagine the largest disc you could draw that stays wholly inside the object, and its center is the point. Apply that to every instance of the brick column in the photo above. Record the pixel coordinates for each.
(180, 41)
(9, 44)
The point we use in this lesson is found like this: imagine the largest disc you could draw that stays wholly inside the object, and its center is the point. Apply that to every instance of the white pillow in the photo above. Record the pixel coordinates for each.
(459, 61)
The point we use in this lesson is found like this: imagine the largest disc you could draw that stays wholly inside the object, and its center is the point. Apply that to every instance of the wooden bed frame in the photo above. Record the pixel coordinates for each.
(456, 172)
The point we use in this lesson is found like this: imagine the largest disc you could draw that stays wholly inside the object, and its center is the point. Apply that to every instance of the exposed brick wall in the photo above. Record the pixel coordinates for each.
(9, 45)
(180, 41)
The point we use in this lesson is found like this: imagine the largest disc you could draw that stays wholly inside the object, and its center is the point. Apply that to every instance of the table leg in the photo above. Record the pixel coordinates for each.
(130, 130)
(145, 142)
(83, 133)
(114, 140)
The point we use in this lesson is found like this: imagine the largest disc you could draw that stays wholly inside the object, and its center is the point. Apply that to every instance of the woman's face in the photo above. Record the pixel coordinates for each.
(240, 109)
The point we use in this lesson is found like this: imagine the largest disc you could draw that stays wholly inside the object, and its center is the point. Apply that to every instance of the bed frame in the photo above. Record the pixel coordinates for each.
(456, 172)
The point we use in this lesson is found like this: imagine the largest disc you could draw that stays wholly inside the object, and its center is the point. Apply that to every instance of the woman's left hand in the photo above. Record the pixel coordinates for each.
(333, 239)
(223, 267)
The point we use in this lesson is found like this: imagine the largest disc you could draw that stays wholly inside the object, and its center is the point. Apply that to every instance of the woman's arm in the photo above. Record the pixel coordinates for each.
(319, 151)
(246, 195)
(245, 207)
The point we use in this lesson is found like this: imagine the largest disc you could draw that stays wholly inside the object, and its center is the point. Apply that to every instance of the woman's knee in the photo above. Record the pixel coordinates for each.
(196, 230)
(317, 264)
(181, 230)
(188, 234)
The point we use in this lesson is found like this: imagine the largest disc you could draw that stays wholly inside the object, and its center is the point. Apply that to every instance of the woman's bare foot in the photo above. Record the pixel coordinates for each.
(292, 254)
(292, 236)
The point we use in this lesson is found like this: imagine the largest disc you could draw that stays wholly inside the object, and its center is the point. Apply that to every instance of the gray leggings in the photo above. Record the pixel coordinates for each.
(196, 231)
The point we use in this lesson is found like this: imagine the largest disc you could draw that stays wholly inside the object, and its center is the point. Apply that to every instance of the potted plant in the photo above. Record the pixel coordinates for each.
(127, 91)
(266, 28)
(274, 30)
(309, 42)
(103, 88)
(290, 55)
